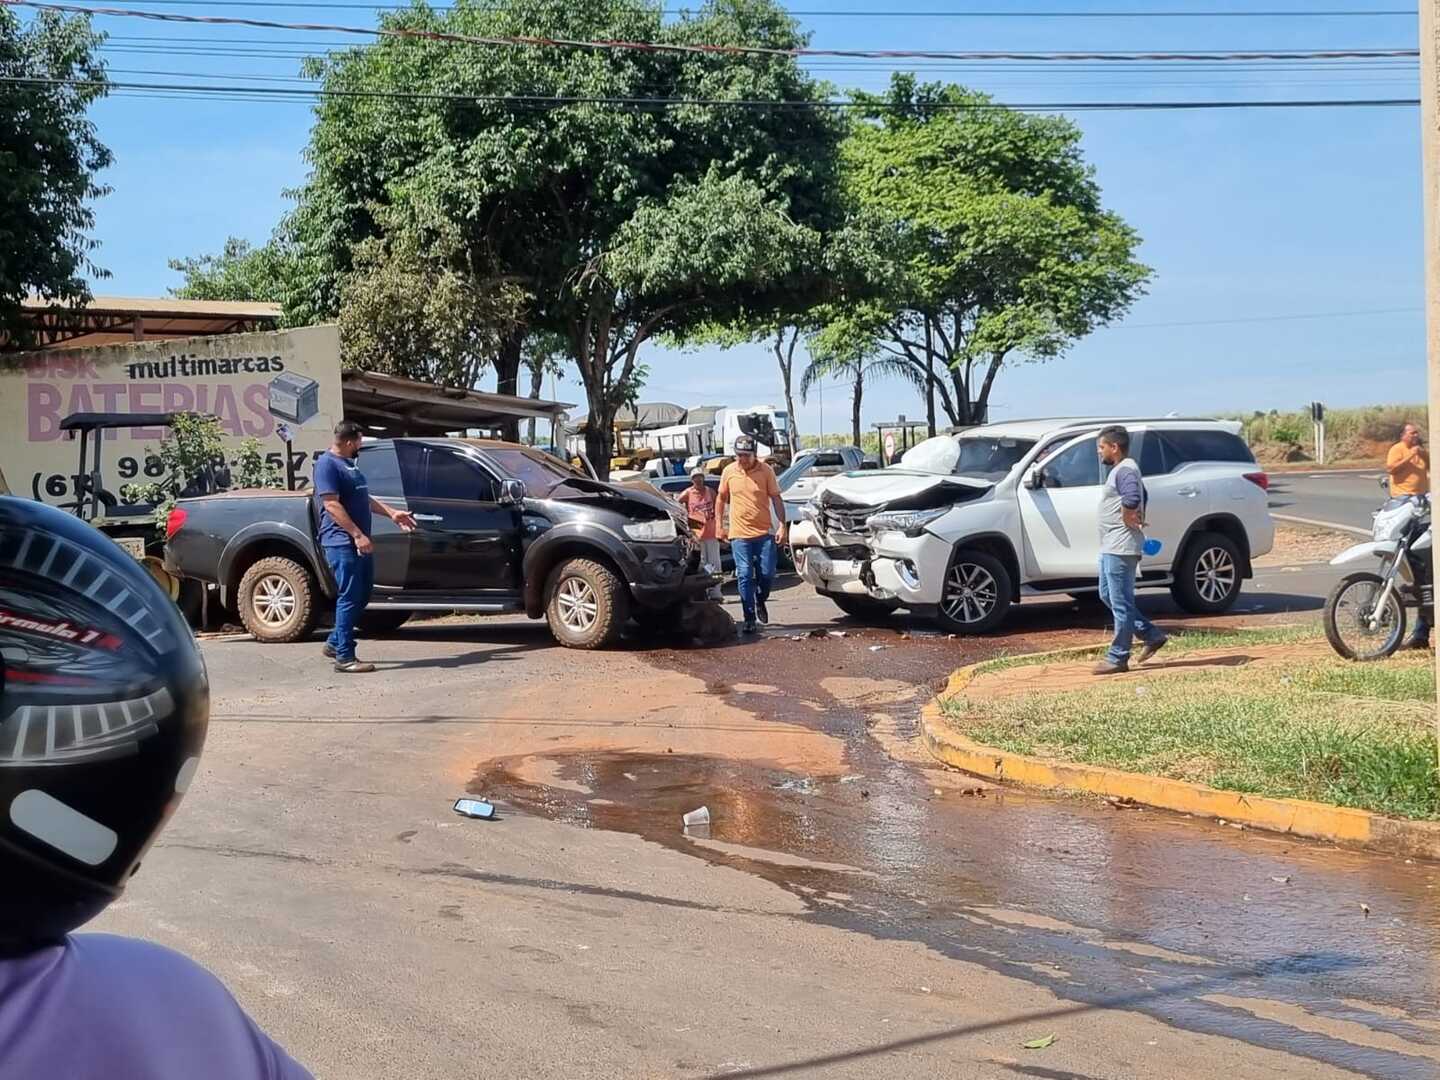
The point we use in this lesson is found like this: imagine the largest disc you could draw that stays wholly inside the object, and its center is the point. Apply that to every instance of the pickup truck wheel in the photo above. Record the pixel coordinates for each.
(276, 600)
(977, 594)
(864, 608)
(588, 605)
(1207, 577)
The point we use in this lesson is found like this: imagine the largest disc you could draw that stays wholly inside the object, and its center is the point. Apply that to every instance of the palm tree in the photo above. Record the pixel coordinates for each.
(857, 370)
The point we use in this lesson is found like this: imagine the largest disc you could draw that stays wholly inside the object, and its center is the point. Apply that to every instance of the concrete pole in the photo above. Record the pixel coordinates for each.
(1430, 150)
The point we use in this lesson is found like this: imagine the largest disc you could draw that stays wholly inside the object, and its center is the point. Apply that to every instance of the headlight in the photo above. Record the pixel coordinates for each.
(909, 522)
(810, 512)
(652, 531)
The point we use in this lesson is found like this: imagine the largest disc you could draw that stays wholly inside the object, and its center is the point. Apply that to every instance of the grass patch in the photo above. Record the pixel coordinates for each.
(1181, 641)
(1296, 730)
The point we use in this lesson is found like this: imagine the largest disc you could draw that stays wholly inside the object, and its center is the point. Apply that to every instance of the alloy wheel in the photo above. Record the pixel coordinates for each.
(970, 593)
(1215, 575)
(274, 600)
(578, 604)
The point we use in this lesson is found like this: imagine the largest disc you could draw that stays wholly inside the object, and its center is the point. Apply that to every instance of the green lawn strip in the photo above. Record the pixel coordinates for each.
(1181, 642)
(1289, 731)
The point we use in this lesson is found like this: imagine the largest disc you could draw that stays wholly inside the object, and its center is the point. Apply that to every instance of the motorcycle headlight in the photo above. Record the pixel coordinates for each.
(909, 522)
(652, 531)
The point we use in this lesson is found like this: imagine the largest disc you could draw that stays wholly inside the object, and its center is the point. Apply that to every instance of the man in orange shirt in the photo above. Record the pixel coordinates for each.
(748, 489)
(1408, 464)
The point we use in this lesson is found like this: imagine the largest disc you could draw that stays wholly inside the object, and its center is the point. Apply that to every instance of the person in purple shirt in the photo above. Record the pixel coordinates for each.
(104, 704)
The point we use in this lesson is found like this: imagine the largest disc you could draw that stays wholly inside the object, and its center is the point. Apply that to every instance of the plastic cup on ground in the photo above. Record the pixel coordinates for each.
(697, 817)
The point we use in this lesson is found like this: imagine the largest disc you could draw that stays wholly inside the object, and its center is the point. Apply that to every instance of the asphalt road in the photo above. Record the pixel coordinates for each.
(1333, 498)
(854, 911)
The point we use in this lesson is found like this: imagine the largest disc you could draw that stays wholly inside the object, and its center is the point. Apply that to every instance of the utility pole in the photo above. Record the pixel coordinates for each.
(1430, 149)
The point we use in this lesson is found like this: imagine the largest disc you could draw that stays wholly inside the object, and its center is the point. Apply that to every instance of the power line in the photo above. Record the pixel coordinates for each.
(1021, 85)
(709, 49)
(1272, 318)
(1334, 13)
(546, 101)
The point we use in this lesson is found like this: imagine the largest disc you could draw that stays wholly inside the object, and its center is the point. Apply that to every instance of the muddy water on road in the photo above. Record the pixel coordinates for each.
(1258, 937)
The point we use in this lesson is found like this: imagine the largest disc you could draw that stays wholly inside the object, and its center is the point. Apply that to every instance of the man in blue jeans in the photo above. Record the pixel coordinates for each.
(750, 492)
(1122, 542)
(344, 505)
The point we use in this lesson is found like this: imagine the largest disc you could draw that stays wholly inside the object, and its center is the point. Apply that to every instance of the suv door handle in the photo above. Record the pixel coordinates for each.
(428, 517)
(1188, 492)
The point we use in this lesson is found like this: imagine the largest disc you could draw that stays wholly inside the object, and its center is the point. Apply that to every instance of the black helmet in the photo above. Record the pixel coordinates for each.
(103, 707)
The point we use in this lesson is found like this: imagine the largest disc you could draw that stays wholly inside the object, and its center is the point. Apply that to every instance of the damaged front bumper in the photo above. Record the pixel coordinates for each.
(906, 570)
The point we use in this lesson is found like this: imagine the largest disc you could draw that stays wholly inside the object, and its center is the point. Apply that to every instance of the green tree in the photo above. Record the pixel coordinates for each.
(403, 313)
(623, 222)
(239, 272)
(544, 357)
(858, 369)
(50, 154)
(976, 239)
(189, 454)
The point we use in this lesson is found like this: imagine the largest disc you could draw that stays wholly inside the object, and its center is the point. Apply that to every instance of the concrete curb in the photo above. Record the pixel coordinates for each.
(1298, 817)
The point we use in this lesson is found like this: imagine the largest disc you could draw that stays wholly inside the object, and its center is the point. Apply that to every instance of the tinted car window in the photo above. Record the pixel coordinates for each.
(1156, 459)
(436, 473)
(540, 474)
(1077, 467)
(1208, 446)
(382, 471)
(989, 459)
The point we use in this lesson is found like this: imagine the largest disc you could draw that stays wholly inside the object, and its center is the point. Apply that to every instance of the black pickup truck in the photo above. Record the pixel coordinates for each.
(501, 528)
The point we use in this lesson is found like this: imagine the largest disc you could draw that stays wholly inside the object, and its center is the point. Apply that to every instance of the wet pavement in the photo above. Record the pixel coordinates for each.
(854, 911)
(1282, 943)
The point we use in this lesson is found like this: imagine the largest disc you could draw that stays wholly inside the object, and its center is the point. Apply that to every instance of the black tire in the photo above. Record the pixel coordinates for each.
(276, 600)
(977, 593)
(864, 608)
(381, 621)
(1207, 577)
(575, 588)
(1336, 634)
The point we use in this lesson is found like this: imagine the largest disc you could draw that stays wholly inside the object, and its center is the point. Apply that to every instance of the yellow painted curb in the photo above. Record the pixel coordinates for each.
(1319, 821)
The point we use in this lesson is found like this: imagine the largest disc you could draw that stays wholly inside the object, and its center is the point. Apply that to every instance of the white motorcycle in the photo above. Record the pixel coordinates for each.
(1365, 613)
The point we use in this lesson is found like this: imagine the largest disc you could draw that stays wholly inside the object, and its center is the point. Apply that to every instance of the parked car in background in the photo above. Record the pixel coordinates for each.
(970, 523)
(501, 527)
(812, 468)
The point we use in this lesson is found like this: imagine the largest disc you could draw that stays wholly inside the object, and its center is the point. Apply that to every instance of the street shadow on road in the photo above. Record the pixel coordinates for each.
(464, 660)
(1184, 988)
(1237, 660)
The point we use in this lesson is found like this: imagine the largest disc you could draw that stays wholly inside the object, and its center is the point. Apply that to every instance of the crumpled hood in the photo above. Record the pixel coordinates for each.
(871, 487)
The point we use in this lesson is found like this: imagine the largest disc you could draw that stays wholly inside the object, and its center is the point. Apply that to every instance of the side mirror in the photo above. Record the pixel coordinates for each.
(1035, 478)
(512, 492)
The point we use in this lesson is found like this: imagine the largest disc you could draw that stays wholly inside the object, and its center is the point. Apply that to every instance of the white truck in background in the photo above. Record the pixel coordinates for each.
(769, 426)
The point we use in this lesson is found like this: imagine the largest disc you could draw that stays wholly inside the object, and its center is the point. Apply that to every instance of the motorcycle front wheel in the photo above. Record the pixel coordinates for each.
(1349, 612)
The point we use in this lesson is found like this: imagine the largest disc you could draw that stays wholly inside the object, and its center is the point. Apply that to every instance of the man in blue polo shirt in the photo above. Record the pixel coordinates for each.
(344, 504)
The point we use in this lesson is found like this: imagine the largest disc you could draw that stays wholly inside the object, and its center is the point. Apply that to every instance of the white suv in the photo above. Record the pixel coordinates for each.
(967, 524)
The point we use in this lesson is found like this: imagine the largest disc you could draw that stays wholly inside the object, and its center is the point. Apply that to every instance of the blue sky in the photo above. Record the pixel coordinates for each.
(1248, 216)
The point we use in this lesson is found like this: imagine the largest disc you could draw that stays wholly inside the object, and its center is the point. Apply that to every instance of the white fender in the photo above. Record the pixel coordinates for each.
(1372, 551)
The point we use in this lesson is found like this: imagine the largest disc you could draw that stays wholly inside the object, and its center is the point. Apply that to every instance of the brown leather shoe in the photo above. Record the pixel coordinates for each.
(353, 667)
(1105, 667)
(1150, 650)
